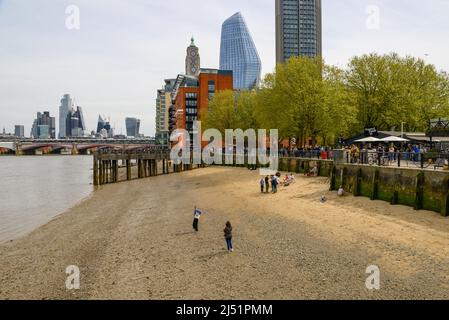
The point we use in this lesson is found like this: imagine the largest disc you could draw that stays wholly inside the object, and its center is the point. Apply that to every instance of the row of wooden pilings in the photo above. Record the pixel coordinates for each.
(107, 171)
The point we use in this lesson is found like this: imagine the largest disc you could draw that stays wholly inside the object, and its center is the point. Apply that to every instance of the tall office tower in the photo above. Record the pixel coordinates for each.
(193, 61)
(163, 103)
(132, 127)
(75, 125)
(104, 128)
(64, 110)
(298, 29)
(44, 126)
(238, 53)
(19, 131)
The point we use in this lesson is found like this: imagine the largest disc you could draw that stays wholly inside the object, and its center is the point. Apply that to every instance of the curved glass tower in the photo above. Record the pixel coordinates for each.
(239, 54)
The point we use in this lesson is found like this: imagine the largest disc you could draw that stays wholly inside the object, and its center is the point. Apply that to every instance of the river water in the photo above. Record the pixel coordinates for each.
(35, 189)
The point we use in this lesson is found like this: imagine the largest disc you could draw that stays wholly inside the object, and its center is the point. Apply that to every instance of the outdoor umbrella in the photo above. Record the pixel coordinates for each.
(394, 139)
(368, 139)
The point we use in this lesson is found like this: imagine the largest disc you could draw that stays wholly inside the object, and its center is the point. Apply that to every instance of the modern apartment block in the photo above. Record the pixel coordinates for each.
(163, 103)
(298, 29)
(238, 53)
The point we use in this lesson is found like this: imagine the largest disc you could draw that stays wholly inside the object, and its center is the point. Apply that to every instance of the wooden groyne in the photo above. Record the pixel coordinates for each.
(112, 166)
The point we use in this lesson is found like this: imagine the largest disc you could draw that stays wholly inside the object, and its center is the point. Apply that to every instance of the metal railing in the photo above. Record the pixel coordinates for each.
(398, 159)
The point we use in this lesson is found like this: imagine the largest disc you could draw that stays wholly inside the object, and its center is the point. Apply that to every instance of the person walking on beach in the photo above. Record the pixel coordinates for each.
(274, 184)
(262, 185)
(267, 184)
(196, 218)
(228, 236)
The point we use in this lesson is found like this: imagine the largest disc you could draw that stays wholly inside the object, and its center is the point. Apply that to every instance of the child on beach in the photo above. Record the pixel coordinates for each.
(228, 236)
(196, 218)
(262, 185)
(267, 184)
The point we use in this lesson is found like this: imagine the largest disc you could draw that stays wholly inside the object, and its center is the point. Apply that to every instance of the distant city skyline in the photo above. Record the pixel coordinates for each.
(114, 64)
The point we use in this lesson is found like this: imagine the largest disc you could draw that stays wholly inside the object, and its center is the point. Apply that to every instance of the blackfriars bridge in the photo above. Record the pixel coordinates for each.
(69, 147)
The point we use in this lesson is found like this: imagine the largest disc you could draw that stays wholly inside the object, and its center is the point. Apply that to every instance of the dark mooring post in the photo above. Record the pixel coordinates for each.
(155, 167)
(106, 168)
(128, 169)
(116, 171)
(163, 166)
(100, 170)
(145, 168)
(103, 173)
(95, 171)
(139, 168)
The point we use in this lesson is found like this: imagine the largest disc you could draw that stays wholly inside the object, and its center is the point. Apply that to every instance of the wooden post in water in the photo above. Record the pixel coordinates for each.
(139, 168)
(155, 168)
(100, 170)
(95, 172)
(128, 169)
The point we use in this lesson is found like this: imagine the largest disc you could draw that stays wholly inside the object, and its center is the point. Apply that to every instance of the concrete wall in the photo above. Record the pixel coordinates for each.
(421, 189)
(299, 165)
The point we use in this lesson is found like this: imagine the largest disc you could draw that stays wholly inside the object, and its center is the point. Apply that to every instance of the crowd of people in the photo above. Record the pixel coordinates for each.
(385, 154)
(275, 181)
(316, 152)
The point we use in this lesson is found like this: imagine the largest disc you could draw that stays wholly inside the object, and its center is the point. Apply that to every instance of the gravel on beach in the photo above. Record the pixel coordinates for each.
(134, 240)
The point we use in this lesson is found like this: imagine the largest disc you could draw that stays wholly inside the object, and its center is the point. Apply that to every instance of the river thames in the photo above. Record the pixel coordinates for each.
(34, 190)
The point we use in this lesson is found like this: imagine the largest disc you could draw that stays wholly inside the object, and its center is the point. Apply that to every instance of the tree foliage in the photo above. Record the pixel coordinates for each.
(306, 98)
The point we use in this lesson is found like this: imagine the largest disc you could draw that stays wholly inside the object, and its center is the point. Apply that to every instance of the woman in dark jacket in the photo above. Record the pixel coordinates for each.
(228, 236)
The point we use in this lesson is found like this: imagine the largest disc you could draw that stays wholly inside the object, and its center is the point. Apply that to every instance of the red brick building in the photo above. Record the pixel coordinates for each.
(191, 96)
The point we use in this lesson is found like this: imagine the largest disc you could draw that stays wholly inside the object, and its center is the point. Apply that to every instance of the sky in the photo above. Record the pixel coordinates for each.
(122, 51)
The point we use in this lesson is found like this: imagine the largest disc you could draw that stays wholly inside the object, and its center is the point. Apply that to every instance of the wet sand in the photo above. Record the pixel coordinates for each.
(134, 240)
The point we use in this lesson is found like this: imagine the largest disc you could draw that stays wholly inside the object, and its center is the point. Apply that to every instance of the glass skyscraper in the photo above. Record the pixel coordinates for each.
(298, 29)
(239, 54)
(132, 127)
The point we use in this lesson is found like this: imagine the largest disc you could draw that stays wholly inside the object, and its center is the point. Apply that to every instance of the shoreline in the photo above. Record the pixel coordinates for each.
(134, 241)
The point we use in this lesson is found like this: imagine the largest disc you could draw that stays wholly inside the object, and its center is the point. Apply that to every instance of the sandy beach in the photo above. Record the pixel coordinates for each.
(134, 240)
